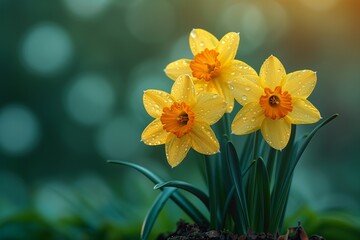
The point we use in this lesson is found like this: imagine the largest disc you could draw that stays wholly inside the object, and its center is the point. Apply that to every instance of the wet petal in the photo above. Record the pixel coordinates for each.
(239, 70)
(243, 81)
(248, 119)
(227, 47)
(200, 39)
(276, 132)
(300, 83)
(203, 139)
(209, 108)
(154, 134)
(177, 68)
(183, 89)
(272, 73)
(221, 87)
(155, 101)
(303, 112)
(176, 149)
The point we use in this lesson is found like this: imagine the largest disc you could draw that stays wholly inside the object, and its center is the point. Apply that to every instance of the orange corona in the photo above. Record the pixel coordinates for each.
(276, 104)
(205, 65)
(178, 119)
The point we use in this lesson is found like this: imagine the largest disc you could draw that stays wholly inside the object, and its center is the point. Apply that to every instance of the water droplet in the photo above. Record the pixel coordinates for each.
(244, 97)
(233, 73)
(193, 34)
(247, 88)
(215, 96)
(223, 42)
(253, 119)
(244, 119)
(202, 44)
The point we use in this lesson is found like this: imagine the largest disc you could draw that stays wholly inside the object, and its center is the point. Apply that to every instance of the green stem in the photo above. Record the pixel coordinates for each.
(212, 186)
(256, 146)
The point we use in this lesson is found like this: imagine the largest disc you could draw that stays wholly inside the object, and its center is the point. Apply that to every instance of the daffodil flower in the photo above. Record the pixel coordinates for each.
(272, 101)
(182, 120)
(212, 66)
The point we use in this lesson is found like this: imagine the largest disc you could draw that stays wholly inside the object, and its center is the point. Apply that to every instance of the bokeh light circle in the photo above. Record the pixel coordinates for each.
(144, 77)
(320, 5)
(86, 8)
(150, 21)
(19, 130)
(54, 200)
(47, 48)
(118, 138)
(89, 99)
(249, 20)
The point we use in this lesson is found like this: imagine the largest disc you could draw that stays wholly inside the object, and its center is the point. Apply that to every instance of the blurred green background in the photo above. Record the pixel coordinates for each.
(72, 77)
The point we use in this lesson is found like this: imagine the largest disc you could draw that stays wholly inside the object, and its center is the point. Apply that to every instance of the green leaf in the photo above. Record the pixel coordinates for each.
(247, 149)
(154, 212)
(178, 198)
(210, 163)
(284, 174)
(233, 164)
(270, 164)
(263, 187)
(187, 187)
(280, 185)
(308, 138)
(298, 149)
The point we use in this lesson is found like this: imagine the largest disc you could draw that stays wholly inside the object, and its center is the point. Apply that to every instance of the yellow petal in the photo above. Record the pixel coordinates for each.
(154, 134)
(276, 132)
(272, 73)
(227, 47)
(183, 89)
(200, 39)
(209, 108)
(177, 68)
(176, 149)
(239, 70)
(203, 139)
(244, 83)
(155, 101)
(248, 119)
(221, 87)
(300, 83)
(303, 112)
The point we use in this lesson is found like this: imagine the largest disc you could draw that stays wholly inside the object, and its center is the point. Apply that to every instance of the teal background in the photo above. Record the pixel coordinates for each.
(72, 77)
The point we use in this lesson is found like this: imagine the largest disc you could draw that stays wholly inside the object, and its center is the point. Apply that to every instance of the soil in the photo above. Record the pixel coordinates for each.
(186, 231)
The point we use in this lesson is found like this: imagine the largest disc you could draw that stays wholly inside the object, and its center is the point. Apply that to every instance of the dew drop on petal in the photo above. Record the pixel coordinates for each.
(247, 88)
(244, 97)
(193, 34)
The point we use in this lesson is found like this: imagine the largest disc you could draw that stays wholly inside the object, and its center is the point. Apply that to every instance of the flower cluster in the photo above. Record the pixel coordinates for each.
(205, 88)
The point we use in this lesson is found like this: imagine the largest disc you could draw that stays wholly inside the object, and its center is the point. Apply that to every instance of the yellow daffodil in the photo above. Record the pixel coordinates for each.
(182, 120)
(212, 65)
(272, 101)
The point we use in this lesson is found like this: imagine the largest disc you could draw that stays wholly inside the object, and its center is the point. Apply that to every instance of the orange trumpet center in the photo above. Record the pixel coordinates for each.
(276, 104)
(178, 119)
(205, 65)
